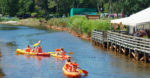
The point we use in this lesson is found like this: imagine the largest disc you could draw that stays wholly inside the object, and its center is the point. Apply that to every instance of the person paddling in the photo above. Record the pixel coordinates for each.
(28, 49)
(34, 49)
(63, 53)
(68, 65)
(39, 49)
(75, 66)
(57, 52)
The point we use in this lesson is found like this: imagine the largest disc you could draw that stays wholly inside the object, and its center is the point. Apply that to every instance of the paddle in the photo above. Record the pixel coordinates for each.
(37, 43)
(71, 53)
(83, 71)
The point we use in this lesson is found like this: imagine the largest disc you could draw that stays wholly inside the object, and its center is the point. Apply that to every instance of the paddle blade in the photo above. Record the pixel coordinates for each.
(71, 53)
(80, 71)
(85, 72)
(36, 44)
(39, 41)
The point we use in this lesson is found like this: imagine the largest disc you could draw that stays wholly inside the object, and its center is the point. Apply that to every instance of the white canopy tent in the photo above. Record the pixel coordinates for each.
(138, 19)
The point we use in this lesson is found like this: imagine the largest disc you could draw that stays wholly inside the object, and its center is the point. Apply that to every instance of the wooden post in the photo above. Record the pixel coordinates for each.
(107, 44)
(130, 55)
(137, 56)
(145, 58)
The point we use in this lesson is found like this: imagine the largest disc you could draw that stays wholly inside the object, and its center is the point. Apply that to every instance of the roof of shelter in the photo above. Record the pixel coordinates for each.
(136, 19)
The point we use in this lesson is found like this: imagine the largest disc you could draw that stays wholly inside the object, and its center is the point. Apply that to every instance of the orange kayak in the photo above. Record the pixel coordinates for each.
(21, 51)
(71, 74)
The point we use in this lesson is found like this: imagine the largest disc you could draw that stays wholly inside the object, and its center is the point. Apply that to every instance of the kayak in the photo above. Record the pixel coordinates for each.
(71, 74)
(59, 56)
(21, 51)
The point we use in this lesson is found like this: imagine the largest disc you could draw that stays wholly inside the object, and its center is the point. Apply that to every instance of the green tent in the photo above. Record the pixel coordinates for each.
(82, 11)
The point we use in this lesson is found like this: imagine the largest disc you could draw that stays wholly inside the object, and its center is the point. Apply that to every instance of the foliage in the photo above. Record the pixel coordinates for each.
(9, 19)
(60, 7)
(81, 24)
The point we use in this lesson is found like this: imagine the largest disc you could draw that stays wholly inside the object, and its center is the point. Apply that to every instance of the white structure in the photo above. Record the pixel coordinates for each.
(138, 20)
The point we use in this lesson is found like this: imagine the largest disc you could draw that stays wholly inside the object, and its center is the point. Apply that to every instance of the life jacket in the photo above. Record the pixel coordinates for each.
(75, 66)
(28, 50)
(39, 49)
(67, 66)
(63, 53)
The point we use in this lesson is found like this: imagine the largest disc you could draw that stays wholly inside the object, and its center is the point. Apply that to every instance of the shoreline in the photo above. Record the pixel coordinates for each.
(45, 25)
(82, 36)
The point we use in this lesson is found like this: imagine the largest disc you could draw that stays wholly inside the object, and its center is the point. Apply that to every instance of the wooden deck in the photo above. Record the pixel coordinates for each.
(137, 47)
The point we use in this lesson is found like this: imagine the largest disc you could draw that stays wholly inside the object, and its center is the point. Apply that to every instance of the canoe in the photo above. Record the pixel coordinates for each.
(59, 56)
(71, 74)
(21, 51)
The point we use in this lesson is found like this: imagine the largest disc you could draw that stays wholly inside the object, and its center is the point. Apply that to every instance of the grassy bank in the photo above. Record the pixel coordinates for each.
(80, 24)
(2, 19)
(30, 22)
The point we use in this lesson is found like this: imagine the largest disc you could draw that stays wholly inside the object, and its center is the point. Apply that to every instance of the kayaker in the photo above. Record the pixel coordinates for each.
(57, 52)
(39, 49)
(28, 49)
(63, 53)
(67, 64)
(75, 66)
(34, 49)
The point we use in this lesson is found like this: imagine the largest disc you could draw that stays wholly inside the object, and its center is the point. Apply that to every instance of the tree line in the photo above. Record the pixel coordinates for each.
(42, 8)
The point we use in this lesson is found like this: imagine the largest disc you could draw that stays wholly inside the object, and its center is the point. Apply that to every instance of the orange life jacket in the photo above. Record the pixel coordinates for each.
(39, 49)
(28, 50)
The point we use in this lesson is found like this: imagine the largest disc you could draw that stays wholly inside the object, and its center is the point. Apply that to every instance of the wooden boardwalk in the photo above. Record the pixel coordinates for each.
(136, 47)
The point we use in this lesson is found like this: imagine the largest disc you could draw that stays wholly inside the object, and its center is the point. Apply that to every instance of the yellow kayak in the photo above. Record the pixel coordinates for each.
(21, 51)
(71, 74)
(59, 56)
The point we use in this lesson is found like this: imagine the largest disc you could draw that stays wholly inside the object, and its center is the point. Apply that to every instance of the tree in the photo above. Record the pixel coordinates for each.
(24, 7)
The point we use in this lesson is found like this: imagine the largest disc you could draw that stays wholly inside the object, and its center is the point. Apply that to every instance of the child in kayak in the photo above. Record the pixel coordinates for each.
(62, 52)
(57, 52)
(28, 49)
(75, 66)
(39, 49)
(34, 49)
(68, 65)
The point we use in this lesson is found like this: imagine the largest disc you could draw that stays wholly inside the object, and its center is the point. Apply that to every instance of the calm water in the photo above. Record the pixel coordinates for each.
(99, 64)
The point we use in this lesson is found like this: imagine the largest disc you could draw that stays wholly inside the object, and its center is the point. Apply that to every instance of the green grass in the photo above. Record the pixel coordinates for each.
(9, 19)
(81, 24)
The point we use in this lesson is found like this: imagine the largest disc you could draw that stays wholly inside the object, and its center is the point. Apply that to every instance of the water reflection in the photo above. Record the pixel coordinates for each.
(39, 58)
(11, 44)
(8, 28)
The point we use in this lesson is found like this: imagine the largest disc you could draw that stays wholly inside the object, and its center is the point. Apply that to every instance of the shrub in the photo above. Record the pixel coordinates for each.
(81, 24)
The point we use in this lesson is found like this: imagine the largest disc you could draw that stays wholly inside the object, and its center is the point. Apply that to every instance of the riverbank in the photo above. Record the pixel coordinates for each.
(78, 26)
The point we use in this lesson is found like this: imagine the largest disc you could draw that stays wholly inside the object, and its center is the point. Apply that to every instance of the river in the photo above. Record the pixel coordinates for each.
(99, 63)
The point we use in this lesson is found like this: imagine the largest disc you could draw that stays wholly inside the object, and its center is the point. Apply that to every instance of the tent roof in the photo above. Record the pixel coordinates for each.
(135, 19)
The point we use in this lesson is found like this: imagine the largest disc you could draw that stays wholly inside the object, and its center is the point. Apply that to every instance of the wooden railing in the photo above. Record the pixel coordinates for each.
(98, 36)
(130, 42)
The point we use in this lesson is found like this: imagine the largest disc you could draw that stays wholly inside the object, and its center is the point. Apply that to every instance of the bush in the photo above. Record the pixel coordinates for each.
(34, 14)
(81, 24)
